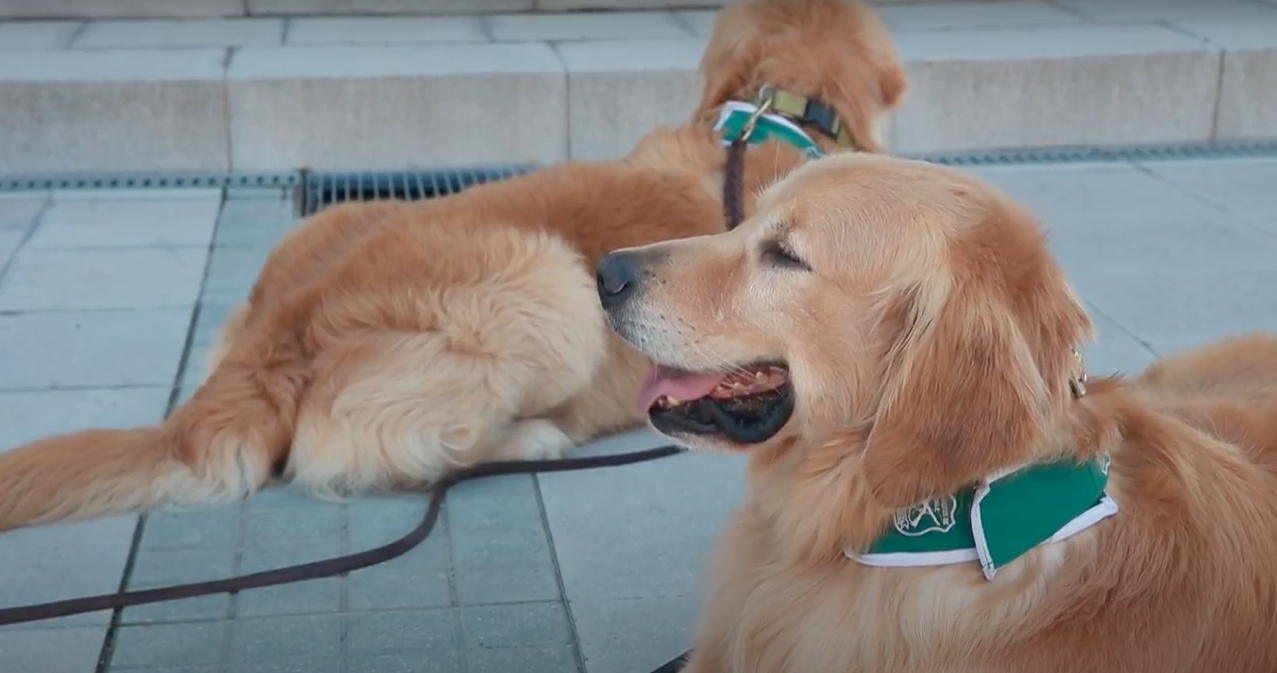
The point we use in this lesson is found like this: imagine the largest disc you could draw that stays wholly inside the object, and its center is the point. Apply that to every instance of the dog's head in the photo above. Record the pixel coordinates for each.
(834, 51)
(898, 307)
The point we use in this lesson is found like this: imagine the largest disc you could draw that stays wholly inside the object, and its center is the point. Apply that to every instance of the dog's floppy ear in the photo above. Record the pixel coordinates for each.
(977, 376)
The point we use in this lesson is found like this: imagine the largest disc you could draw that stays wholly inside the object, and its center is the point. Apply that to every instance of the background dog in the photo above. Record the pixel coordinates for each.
(385, 343)
(885, 336)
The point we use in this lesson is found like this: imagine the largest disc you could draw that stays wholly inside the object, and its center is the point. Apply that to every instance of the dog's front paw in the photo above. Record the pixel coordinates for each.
(536, 439)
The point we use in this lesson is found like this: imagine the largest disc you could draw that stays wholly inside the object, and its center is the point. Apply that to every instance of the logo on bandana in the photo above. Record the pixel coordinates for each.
(937, 515)
(1105, 461)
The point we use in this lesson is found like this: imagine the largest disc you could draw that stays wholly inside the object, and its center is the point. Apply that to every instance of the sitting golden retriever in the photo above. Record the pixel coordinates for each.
(933, 485)
(385, 343)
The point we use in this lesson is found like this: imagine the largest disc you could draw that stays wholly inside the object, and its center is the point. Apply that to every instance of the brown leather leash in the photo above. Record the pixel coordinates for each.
(328, 567)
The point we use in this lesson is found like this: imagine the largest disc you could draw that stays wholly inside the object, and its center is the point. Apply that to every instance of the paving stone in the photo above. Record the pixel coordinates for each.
(948, 15)
(1166, 10)
(19, 211)
(496, 522)
(232, 272)
(114, 110)
(543, 659)
(110, 223)
(1117, 194)
(37, 34)
(1241, 188)
(420, 633)
(640, 531)
(276, 638)
(321, 596)
(203, 608)
(322, 522)
(408, 582)
(51, 650)
(514, 625)
(623, 636)
(126, 278)
(257, 32)
(585, 26)
(255, 222)
(256, 559)
(30, 415)
(92, 348)
(65, 561)
(161, 567)
(214, 528)
(385, 30)
(445, 662)
(169, 646)
(534, 580)
(1114, 349)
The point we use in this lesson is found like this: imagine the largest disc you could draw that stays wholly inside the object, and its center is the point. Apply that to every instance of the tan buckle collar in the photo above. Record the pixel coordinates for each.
(804, 110)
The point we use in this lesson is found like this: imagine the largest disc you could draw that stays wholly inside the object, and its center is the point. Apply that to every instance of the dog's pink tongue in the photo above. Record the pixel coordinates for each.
(676, 383)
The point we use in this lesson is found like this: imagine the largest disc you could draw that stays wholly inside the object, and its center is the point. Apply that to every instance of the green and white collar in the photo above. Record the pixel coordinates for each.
(998, 520)
(735, 115)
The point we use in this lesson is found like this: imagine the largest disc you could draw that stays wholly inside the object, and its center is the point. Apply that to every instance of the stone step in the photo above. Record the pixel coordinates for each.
(384, 93)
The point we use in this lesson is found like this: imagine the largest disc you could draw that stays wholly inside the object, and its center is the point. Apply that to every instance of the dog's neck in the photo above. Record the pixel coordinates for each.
(811, 126)
(820, 507)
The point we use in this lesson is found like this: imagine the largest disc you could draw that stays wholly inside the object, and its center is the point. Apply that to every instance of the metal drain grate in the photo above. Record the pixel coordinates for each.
(323, 189)
(1127, 154)
(149, 180)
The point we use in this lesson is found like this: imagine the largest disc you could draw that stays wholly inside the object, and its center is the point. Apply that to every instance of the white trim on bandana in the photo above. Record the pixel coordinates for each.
(733, 106)
(1098, 512)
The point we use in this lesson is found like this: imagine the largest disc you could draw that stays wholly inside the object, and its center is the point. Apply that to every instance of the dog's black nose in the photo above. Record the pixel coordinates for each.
(616, 275)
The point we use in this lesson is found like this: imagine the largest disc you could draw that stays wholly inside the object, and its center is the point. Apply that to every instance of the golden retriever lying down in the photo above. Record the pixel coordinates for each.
(385, 343)
(932, 486)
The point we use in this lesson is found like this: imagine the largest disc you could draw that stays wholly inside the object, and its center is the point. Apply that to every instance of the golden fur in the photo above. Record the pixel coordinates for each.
(929, 345)
(386, 343)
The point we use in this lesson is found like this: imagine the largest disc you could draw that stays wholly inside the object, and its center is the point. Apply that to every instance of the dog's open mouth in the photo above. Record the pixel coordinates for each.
(747, 406)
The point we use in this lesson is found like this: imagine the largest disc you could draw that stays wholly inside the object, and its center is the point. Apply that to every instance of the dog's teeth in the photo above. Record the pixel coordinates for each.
(760, 377)
(673, 401)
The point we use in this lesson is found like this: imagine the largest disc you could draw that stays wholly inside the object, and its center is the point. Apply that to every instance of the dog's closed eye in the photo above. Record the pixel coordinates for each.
(777, 253)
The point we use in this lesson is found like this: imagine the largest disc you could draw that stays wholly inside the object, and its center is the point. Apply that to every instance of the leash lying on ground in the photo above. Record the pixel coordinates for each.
(327, 567)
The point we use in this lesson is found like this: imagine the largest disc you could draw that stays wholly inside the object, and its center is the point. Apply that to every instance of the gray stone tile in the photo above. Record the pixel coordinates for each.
(51, 650)
(156, 568)
(444, 662)
(540, 659)
(280, 497)
(232, 272)
(256, 559)
(10, 241)
(496, 522)
(1171, 309)
(227, 32)
(255, 222)
(324, 521)
(1243, 188)
(311, 637)
(215, 528)
(1062, 195)
(65, 561)
(30, 415)
(112, 223)
(408, 582)
(641, 531)
(516, 624)
(301, 664)
(426, 634)
(37, 34)
(212, 608)
(485, 585)
(320, 596)
(170, 646)
(1114, 349)
(19, 212)
(160, 568)
(623, 636)
(128, 278)
(91, 348)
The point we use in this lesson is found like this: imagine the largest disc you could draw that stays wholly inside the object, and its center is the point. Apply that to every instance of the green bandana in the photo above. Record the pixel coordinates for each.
(999, 520)
(768, 127)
